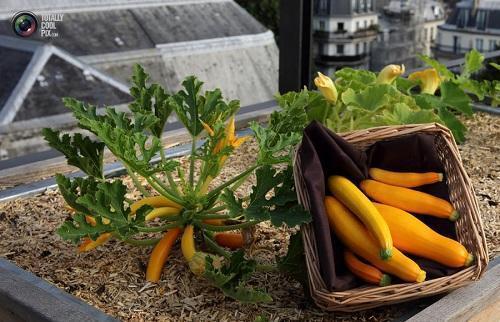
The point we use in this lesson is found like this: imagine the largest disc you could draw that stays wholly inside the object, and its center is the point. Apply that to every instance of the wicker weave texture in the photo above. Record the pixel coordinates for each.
(469, 228)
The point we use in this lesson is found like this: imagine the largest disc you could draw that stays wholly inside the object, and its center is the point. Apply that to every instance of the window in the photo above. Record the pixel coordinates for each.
(340, 49)
(366, 24)
(340, 26)
(357, 49)
(493, 45)
(456, 44)
(357, 26)
(323, 5)
(372, 22)
(370, 5)
(463, 18)
(363, 4)
(481, 20)
(433, 33)
(365, 47)
(321, 25)
(479, 44)
(425, 34)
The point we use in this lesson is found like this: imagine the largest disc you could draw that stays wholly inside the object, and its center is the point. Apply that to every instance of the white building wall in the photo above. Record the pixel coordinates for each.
(351, 24)
(468, 40)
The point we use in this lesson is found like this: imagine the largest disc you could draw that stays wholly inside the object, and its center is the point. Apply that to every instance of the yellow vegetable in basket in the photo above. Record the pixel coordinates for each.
(345, 191)
(354, 236)
(405, 179)
(366, 272)
(410, 200)
(413, 236)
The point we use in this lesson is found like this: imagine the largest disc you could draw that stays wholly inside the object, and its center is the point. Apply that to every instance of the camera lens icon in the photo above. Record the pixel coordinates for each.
(24, 24)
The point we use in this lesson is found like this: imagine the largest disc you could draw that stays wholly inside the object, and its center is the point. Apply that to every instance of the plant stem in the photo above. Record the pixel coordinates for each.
(214, 216)
(214, 246)
(227, 228)
(136, 181)
(212, 210)
(230, 182)
(191, 162)
(171, 182)
(157, 229)
(153, 181)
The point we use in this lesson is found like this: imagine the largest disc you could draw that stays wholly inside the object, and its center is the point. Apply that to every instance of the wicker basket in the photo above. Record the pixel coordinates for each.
(469, 228)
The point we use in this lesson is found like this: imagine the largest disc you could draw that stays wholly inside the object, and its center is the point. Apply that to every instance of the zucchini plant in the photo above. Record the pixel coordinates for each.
(177, 201)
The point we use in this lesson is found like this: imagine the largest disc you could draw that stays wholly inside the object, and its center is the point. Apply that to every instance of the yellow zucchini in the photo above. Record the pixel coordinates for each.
(155, 202)
(410, 200)
(405, 179)
(345, 191)
(413, 236)
(354, 236)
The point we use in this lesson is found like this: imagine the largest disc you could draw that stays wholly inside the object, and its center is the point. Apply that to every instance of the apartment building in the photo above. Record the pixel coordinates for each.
(343, 33)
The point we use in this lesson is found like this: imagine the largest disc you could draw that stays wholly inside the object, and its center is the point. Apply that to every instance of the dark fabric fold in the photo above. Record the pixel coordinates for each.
(323, 153)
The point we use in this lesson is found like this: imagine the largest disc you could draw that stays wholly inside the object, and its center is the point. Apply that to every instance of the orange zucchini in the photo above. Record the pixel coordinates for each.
(230, 240)
(345, 191)
(405, 179)
(354, 236)
(413, 236)
(366, 272)
(160, 254)
(410, 200)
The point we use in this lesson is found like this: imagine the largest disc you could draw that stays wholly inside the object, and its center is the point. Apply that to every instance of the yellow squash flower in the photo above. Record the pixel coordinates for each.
(229, 140)
(429, 80)
(326, 87)
(389, 73)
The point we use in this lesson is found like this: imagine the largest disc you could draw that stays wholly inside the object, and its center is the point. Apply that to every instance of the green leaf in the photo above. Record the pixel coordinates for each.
(109, 202)
(372, 98)
(293, 263)
(122, 135)
(454, 97)
(79, 150)
(454, 124)
(405, 85)
(281, 207)
(441, 68)
(473, 62)
(497, 66)
(356, 79)
(191, 107)
(78, 228)
(274, 147)
(233, 204)
(72, 189)
(231, 277)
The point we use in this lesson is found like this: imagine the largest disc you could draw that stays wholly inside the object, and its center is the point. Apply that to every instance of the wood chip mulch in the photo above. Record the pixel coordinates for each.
(112, 276)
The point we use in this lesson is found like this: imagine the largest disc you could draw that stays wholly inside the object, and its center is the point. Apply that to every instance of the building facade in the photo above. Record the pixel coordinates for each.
(343, 33)
(473, 24)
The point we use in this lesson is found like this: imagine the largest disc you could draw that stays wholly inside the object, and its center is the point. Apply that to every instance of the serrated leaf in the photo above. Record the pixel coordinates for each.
(230, 278)
(233, 204)
(274, 147)
(79, 150)
(497, 66)
(78, 228)
(72, 189)
(473, 62)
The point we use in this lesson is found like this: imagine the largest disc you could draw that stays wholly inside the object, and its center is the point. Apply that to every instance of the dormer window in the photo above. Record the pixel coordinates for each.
(463, 18)
(481, 20)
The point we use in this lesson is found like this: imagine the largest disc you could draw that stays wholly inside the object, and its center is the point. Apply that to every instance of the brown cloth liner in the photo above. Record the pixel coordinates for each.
(323, 153)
